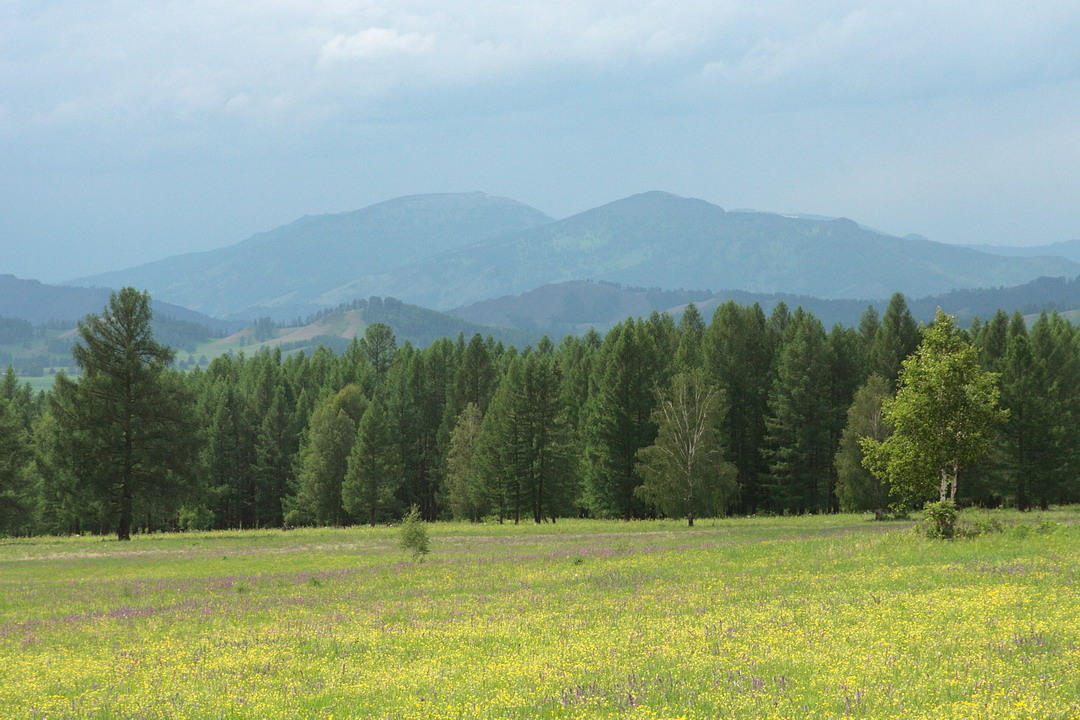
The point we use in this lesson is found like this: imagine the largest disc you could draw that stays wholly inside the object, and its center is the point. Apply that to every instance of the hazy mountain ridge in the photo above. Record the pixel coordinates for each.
(279, 271)
(38, 303)
(1068, 249)
(574, 306)
(659, 239)
(473, 247)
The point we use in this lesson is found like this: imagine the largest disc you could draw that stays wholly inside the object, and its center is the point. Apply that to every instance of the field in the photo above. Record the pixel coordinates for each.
(808, 617)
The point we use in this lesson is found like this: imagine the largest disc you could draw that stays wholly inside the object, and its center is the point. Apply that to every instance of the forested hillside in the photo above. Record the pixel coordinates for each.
(473, 429)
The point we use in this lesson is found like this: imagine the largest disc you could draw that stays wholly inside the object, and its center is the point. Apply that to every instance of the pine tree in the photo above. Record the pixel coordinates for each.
(618, 421)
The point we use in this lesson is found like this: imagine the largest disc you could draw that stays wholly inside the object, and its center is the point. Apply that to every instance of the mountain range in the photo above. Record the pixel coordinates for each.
(283, 272)
(575, 306)
(454, 250)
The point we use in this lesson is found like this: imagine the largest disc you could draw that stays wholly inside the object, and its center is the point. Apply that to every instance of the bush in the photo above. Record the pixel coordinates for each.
(940, 520)
(975, 528)
(195, 518)
(296, 518)
(414, 535)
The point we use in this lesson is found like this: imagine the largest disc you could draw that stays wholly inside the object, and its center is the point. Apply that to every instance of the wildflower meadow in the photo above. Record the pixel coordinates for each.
(802, 617)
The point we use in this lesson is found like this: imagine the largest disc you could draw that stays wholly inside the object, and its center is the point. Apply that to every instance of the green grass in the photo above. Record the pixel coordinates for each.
(828, 616)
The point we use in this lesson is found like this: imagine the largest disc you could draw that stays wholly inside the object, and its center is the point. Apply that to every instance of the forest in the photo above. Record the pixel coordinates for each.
(472, 429)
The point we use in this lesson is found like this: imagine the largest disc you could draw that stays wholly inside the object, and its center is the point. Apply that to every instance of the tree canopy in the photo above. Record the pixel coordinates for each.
(943, 416)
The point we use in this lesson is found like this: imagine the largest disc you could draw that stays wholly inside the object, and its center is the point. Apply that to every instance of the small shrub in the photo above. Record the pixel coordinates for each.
(1046, 526)
(296, 518)
(414, 535)
(195, 518)
(975, 528)
(940, 520)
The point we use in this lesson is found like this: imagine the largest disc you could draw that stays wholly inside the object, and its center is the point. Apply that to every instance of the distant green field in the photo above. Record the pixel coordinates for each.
(807, 617)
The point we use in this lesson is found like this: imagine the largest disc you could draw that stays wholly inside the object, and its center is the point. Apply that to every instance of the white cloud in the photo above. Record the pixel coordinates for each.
(376, 42)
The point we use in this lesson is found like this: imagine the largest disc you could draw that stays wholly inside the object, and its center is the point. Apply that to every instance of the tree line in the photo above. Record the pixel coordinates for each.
(746, 413)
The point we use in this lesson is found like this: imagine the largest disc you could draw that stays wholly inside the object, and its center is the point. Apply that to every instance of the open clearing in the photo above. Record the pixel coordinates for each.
(807, 617)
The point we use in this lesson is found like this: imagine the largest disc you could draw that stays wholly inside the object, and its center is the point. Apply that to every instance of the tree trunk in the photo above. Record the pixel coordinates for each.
(123, 529)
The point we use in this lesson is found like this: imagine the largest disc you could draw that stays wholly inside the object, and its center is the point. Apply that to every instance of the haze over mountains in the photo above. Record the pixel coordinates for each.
(280, 273)
(452, 250)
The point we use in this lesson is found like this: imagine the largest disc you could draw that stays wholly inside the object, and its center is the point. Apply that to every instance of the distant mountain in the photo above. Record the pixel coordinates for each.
(38, 303)
(1068, 249)
(279, 272)
(447, 251)
(336, 328)
(659, 239)
(1045, 293)
(575, 306)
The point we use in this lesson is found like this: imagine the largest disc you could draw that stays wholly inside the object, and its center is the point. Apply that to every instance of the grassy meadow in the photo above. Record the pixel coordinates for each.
(803, 617)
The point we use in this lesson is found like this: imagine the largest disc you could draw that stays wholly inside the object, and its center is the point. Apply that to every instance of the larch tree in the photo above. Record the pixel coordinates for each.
(466, 492)
(374, 471)
(127, 425)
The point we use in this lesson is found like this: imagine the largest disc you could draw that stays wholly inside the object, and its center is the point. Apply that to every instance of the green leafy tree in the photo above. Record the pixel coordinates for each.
(126, 422)
(943, 417)
(374, 469)
(857, 488)
(684, 471)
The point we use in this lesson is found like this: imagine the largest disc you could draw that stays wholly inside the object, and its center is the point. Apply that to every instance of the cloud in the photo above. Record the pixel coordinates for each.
(374, 43)
(183, 63)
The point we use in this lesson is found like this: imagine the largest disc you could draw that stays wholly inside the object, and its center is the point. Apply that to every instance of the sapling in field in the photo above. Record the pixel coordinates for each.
(414, 535)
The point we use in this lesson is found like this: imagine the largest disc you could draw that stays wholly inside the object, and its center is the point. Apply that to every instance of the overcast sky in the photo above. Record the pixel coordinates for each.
(132, 130)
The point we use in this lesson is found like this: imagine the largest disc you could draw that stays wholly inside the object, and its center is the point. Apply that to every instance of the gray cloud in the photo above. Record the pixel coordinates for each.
(247, 113)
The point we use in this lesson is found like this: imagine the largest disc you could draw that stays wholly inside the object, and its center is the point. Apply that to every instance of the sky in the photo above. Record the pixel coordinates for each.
(134, 130)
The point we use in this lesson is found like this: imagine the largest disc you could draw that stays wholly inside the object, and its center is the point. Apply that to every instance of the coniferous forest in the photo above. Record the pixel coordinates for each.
(471, 429)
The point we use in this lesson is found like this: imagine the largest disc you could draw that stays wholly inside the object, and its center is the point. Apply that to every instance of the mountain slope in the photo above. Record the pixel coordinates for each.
(1068, 249)
(39, 303)
(575, 306)
(278, 272)
(658, 239)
